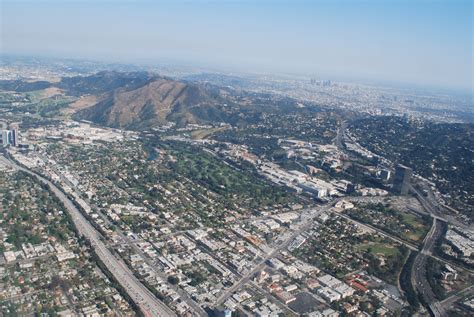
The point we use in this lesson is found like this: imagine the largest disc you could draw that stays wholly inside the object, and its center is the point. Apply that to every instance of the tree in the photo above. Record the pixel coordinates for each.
(173, 279)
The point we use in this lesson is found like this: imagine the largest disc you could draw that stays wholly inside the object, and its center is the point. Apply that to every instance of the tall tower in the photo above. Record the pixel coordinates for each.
(14, 137)
(401, 179)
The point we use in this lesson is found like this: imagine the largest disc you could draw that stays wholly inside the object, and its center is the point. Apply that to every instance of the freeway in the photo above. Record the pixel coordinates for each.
(340, 135)
(133, 243)
(418, 274)
(144, 299)
(430, 204)
(419, 278)
(197, 309)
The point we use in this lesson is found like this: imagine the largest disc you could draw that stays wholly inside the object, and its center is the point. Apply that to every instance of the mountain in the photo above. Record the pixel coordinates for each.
(23, 86)
(140, 100)
(142, 104)
(103, 82)
(95, 84)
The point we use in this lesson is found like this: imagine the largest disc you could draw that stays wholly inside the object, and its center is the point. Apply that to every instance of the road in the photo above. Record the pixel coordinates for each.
(283, 242)
(468, 291)
(144, 299)
(440, 308)
(272, 298)
(133, 243)
(430, 204)
(381, 232)
(418, 273)
(340, 134)
(419, 278)
(197, 309)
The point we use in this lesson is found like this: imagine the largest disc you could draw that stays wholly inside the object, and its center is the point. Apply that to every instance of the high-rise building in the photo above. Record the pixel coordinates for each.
(9, 137)
(401, 179)
(6, 137)
(14, 137)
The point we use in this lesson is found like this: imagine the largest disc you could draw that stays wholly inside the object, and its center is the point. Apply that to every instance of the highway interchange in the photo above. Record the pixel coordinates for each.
(151, 306)
(418, 270)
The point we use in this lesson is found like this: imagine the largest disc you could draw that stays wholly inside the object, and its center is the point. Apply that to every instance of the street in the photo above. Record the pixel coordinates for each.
(147, 302)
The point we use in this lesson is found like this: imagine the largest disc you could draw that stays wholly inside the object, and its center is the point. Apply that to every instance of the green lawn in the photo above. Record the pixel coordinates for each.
(402, 224)
(419, 227)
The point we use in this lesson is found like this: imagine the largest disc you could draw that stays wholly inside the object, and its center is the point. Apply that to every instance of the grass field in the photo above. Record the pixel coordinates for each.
(419, 228)
(34, 95)
(404, 225)
(378, 248)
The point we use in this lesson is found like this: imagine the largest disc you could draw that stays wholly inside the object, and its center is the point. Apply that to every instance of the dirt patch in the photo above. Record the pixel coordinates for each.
(82, 103)
(52, 79)
(50, 92)
(205, 133)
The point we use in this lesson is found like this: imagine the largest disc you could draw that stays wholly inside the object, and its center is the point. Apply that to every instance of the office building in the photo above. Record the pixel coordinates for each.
(14, 137)
(401, 179)
(9, 137)
(6, 137)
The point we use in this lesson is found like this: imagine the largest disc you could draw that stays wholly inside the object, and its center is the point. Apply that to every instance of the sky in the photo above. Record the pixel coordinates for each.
(427, 43)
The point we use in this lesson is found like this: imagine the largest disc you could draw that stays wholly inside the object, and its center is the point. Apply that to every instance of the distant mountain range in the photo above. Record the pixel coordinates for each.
(138, 100)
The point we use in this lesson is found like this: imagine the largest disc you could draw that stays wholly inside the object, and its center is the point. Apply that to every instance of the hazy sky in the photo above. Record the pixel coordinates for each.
(422, 42)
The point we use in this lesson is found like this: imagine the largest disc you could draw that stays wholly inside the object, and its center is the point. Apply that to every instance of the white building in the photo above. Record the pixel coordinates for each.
(329, 294)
